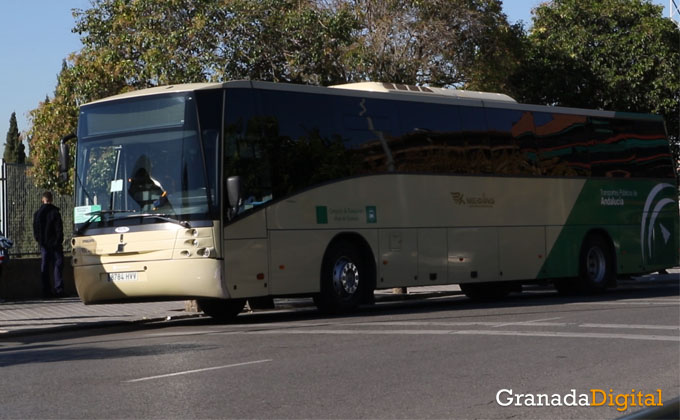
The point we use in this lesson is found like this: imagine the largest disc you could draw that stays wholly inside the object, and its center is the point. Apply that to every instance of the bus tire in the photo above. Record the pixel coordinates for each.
(567, 287)
(221, 309)
(488, 291)
(344, 276)
(597, 265)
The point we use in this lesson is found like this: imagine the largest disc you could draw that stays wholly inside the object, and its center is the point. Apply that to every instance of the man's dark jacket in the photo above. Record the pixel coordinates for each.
(47, 226)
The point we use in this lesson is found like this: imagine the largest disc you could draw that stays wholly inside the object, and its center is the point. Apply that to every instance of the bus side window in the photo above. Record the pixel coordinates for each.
(560, 143)
(366, 133)
(302, 143)
(475, 135)
(431, 140)
(244, 141)
(646, 146)
(508, 131)
(600, 155)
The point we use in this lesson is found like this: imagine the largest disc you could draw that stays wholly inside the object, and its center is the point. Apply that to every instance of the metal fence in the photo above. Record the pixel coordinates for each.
(20, 199)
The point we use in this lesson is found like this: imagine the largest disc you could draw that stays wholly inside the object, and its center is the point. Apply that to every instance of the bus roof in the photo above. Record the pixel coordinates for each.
(389, 91)
(396, 87)
(186, 87)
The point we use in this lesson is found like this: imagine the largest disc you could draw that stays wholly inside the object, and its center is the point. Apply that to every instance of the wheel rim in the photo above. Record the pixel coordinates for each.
(345, 276)
(596, 264)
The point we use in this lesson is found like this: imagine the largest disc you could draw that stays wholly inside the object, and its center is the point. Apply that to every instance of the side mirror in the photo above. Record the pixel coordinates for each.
(64, 158)
(234, 194)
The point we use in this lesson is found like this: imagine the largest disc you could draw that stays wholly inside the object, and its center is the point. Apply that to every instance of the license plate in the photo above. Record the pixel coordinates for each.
(128, 276)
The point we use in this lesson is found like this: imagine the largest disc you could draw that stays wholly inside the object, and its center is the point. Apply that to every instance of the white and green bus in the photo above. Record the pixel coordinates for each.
(242, 190)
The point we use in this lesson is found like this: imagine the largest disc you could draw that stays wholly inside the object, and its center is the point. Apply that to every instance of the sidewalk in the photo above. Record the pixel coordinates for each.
(36, 316)
(47, 315)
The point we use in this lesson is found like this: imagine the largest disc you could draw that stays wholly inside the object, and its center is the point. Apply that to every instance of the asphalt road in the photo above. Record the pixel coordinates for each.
(443, 357)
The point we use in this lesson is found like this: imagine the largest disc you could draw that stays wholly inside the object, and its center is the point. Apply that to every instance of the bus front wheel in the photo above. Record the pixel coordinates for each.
(344, 276)
(221, 309)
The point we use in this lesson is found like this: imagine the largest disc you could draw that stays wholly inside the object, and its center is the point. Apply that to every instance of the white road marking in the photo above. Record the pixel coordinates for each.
(531, 322)
(187, 372)
(572, 335)
(536, 323)
(179, 334)
(467, 332)
(630, 303)
(461, 324)
(632, 326)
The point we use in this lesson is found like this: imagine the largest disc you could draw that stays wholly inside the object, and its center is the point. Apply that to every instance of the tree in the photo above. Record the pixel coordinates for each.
(52, 119)
(466, 43)
(154, 42)
(607, 54)
(299, 41)
(21, 152)
(14, 146)
(151, 42)
(136, 44)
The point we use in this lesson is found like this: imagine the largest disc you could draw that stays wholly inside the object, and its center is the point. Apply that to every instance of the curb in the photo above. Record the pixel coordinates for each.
(380, 298)
(91, 326)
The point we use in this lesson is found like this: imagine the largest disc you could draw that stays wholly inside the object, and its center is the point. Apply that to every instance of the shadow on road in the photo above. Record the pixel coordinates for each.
(532, 296)
(433, 305)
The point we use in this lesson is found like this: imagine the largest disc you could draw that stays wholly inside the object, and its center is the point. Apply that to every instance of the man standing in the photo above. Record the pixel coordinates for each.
(49, 232)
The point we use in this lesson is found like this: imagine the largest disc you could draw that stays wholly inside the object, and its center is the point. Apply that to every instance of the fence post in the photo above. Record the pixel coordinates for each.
(3, 196)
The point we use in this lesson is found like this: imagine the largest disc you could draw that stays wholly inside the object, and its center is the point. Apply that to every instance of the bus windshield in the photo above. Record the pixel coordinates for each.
(140, 161)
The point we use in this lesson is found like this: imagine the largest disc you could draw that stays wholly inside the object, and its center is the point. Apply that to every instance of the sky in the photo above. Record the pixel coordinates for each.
(36, 37)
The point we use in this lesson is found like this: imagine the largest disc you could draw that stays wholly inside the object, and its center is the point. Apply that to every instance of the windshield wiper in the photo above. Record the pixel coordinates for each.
(163, 217)
(93, 215)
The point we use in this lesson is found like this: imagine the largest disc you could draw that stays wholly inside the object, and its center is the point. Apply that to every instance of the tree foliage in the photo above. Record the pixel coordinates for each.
(439, 42)
(15, 151)
(612, 54)
(52, 119)
(151, 42)
(617, 55)
(299, 41)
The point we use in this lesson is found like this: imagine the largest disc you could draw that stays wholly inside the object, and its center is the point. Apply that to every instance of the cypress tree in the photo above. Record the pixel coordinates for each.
(21, 152)
(12, 140)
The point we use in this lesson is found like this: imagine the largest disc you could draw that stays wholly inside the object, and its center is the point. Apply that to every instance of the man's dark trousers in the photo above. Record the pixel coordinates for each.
(52, 257)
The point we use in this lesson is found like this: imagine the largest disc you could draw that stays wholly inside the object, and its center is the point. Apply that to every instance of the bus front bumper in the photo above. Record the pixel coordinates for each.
(150, 280)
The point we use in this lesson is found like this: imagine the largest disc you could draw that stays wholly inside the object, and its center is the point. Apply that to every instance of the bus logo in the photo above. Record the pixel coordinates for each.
(321, 215)
(474, 202)
(458, 198)
(371, 214)
(648, 226)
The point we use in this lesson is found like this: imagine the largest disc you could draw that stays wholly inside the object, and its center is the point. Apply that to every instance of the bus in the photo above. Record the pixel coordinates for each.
(224, 192)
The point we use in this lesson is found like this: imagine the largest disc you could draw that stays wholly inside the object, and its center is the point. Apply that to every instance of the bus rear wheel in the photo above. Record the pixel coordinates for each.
(221, 309)
(597, 265)
(344, 276)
